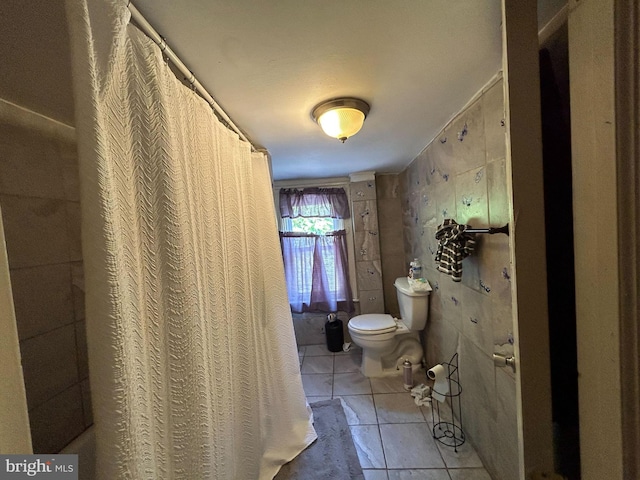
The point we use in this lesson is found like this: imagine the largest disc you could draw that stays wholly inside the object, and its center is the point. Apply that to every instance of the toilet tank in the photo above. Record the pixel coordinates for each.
(414, 306)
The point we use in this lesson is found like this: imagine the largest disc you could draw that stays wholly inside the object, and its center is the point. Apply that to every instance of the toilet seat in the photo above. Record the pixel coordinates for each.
(373, 324)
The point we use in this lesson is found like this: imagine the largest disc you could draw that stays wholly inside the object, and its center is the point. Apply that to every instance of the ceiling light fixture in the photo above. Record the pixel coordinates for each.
(341, 118)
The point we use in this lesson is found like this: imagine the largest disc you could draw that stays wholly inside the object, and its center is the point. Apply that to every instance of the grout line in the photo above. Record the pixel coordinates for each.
(378, 425)
(58, 327)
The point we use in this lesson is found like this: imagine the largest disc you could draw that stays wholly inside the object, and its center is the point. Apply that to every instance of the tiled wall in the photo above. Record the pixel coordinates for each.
(391, 243)
(462, 175)
(39, 197)
(364, 211)
(309, 327)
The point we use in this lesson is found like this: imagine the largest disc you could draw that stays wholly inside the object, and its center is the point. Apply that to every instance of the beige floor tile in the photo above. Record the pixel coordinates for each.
(465, 457)
(375, 475)
(318, 384)
(388, 384)
(317, 364)
(397, 408)
(469, 474)
(316, 351)
(420, 474)
(317, 399)
(410, 446)
(368, 445)
(348, 363)
(359, 409)
(351, 384)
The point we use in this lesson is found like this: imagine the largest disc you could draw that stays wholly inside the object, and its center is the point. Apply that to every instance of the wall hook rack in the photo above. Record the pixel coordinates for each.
(491, 230)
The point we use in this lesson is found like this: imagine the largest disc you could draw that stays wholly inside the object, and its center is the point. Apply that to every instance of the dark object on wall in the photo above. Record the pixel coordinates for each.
(334, 332)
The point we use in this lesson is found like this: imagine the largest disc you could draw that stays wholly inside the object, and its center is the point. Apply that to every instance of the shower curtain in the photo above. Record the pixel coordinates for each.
(193, 364)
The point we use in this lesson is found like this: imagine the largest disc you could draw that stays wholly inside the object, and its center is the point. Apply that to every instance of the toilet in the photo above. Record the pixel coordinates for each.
(386, 341)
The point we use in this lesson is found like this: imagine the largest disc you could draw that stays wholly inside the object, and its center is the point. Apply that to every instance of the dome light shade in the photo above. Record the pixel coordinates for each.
(341, 118)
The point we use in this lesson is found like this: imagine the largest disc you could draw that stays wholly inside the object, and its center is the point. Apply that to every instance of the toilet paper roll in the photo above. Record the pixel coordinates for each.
(441, 384)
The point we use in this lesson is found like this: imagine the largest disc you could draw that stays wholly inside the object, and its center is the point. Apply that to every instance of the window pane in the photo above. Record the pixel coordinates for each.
(315, 225)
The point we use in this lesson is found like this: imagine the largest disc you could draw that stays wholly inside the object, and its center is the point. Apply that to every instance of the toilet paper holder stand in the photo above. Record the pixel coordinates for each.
(447, 429)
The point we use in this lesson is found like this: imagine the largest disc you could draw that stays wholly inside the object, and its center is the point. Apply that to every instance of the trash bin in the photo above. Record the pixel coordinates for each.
(334, 333)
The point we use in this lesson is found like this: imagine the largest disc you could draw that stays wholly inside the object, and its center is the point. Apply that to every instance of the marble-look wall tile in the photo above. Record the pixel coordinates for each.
(58, 421)
(413, 175)
(35, 231)
(77, 289)
(365, 215)
(83, 354)
(445, 194)
(365, 190)
(309, 328)
(391, 239)
(387, 186)
(494, 268)
(477, 320)
(74, 234)
(392, 242)
(39, 196)
(389, 213)
(451, 301)
(29, 165)
(42, 298)
(410, 207)
(506, 444)
(372, 301)
(466, 133)
(471, 267)
(49, 364)
(445, 336)
(442, 158)
(463, 172)
(367, 246)
(503, 328)
(486, 430)
(369, 275)
(478, 379)
(497, 192)
(430, 249)
(427, 210)
(87, 407)
(393, 266)
(471, 198)
(71, 182)
(494, 122)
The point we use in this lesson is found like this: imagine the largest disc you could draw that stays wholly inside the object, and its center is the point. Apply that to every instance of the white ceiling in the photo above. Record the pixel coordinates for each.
(268, 63)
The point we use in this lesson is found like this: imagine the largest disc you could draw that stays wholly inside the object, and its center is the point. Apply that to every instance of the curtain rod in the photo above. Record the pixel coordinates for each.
(148, 30)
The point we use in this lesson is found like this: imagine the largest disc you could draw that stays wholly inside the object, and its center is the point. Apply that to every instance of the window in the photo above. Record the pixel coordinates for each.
(314, 249)
(314, 225)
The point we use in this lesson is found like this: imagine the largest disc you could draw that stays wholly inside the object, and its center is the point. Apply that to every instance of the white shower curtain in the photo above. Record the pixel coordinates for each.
(193, 364)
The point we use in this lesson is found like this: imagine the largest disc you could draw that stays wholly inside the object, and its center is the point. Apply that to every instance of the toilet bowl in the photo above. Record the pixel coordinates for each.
(386, 341)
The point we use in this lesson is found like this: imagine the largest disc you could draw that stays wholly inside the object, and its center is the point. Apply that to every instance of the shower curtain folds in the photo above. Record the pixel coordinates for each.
(193, 364)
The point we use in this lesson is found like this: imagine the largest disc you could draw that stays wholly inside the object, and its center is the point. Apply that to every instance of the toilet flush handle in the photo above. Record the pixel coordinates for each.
(505, 361)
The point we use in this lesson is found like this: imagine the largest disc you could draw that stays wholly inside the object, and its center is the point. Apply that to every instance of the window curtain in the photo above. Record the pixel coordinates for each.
(316, 266)
(193, 363)
(314, 202)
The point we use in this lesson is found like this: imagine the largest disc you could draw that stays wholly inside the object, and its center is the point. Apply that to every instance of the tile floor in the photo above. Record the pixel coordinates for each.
(391, 434)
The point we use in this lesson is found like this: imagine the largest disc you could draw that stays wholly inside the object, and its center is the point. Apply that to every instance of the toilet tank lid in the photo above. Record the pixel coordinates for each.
(402, 284)
(373, 322)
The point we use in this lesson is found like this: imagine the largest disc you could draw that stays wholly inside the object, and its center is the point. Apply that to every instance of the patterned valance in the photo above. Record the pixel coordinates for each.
(314, 202)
